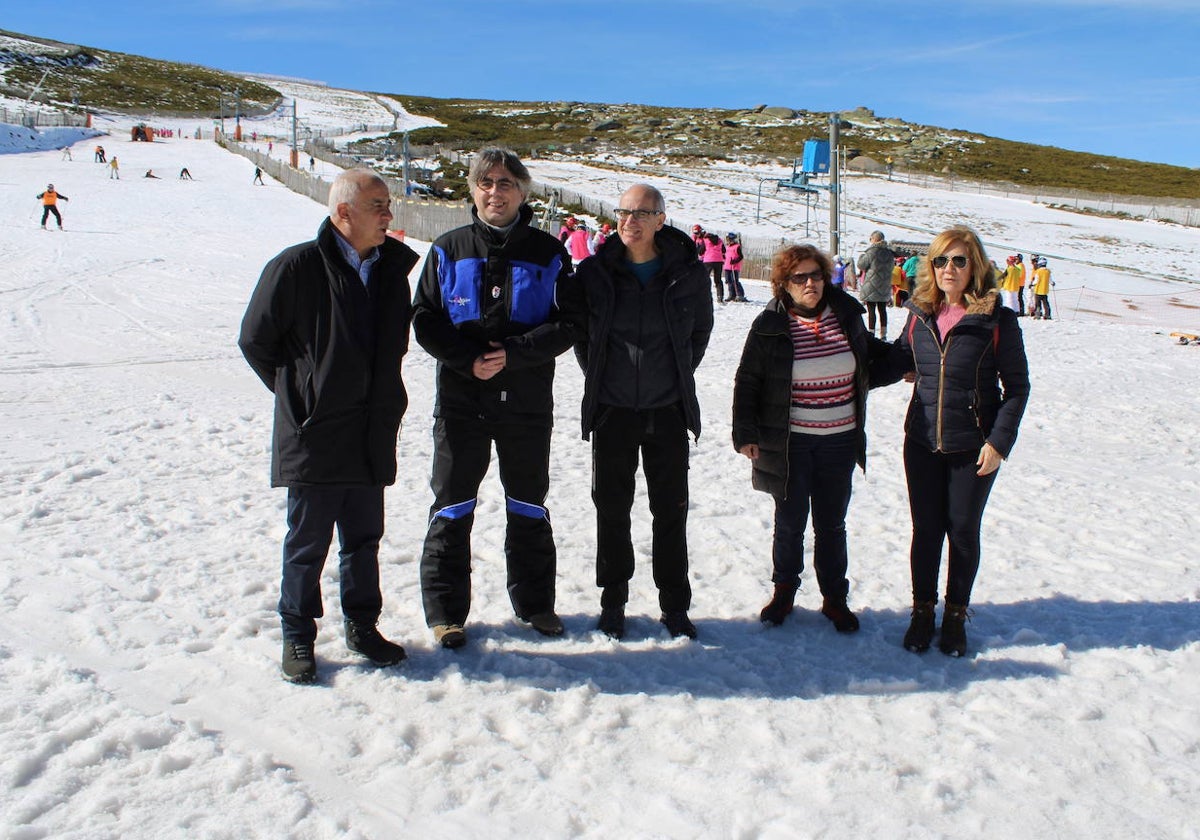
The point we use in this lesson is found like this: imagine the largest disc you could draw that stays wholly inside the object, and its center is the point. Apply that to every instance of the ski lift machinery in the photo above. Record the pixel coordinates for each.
(816, 161)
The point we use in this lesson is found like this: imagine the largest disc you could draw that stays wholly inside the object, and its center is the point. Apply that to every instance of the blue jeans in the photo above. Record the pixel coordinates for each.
(820, 473)
(312, 514)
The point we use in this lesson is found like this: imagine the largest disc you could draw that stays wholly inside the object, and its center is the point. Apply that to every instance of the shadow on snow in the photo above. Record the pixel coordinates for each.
(805, 658)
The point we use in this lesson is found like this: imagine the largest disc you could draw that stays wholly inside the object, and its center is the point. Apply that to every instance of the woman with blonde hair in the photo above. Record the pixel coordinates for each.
(964, 353)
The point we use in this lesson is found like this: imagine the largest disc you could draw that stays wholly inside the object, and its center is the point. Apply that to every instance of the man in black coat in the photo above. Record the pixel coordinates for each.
(648, 318)
(326, 330)
(486, 308)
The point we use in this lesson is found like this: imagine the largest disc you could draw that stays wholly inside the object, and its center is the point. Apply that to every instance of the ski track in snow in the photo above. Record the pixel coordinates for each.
(139, 686)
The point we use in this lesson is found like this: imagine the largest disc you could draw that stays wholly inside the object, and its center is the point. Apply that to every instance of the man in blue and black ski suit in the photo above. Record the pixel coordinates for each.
(486, 310)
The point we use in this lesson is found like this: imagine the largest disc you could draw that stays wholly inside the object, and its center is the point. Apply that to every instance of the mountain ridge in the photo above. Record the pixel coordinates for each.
(75, 76)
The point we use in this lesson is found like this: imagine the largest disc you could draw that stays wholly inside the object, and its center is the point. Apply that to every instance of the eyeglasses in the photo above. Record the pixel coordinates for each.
(959, 261)
(375, 206)
(502, 185)
(802, 277)
(640, 215)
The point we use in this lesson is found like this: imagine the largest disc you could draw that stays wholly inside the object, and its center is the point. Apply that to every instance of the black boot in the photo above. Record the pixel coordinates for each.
(299, 664)
(920, 629)
(780, 606)
(366, 640)
(954, 632)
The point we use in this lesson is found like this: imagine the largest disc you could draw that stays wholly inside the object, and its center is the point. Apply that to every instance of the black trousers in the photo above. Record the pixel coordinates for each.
(661, 437)
(874, 307)
(312, 515)
(47, 209)
(462, 451)
(947, 499)
(714, 270)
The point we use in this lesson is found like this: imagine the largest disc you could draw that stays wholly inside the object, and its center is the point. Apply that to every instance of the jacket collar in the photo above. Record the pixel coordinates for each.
(674, 246)
(984, 305)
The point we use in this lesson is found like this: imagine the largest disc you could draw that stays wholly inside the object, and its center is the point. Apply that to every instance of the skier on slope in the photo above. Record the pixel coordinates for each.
(49, 200)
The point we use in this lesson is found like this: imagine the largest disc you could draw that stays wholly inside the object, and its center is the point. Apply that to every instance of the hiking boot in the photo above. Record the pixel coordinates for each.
(835, 609)
(678, 624)
(780, 606)
(953, 641)
(547, 623)
(299, 663)
(612, 622)
(920, 629)
(449, 636)
(366, 640)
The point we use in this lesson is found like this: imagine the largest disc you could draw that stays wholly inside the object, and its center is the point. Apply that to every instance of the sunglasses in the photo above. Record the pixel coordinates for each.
(958, 261)
(802, 277)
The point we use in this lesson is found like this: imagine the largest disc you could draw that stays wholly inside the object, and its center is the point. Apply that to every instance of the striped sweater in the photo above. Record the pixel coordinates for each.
(822, 377)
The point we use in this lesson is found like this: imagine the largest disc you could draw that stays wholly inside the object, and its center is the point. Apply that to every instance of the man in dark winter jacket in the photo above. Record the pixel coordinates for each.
(326, 330)
(649, 315)
(486, 310)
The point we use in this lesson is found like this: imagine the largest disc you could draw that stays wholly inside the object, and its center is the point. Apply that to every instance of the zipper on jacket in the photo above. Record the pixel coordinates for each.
(941, 399)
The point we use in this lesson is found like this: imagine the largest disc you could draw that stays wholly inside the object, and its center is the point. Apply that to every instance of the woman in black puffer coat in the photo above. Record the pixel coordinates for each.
(966, 357)
(799, 411)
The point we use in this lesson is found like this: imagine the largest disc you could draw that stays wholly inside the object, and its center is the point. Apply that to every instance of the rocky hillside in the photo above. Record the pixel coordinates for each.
(88, 78)
(777, 134)
(99, 80)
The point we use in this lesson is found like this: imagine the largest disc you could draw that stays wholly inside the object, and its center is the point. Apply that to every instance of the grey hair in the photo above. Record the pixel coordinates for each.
(493, 156)
(660, 203)
(349, 184)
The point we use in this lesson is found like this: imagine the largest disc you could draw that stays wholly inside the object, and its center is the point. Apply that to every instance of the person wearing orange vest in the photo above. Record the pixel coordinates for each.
(49, 200)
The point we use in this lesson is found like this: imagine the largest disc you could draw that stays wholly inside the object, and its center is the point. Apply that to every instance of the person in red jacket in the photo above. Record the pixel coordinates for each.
(49, 200)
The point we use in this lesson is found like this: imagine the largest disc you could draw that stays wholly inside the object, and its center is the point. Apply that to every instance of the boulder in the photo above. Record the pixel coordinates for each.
(779, 113)
(863, 163)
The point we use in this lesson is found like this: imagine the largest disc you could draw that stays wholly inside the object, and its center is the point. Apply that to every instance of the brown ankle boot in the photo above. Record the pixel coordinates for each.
(780, 606)
(835, 609)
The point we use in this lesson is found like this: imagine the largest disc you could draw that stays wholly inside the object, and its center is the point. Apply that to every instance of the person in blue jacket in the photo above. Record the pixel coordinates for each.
(486, 310)
(966, 358)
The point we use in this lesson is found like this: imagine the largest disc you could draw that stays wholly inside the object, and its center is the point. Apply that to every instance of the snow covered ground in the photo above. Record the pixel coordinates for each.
(139, 687)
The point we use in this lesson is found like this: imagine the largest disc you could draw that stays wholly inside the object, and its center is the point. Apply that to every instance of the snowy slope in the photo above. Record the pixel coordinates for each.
(139, 684)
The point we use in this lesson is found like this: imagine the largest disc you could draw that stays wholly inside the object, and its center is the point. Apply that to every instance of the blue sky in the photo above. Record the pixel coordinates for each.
(1116, 77)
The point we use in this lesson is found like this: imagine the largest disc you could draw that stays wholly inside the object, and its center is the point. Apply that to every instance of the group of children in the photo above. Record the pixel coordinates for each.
(723, 262)
(1013, 279)
(581, 243)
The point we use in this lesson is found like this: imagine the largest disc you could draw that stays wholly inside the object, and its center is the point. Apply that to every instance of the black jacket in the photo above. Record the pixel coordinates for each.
(477, 288)
(957, 403)
(331, 354)
(762, 390)
(688, 314)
